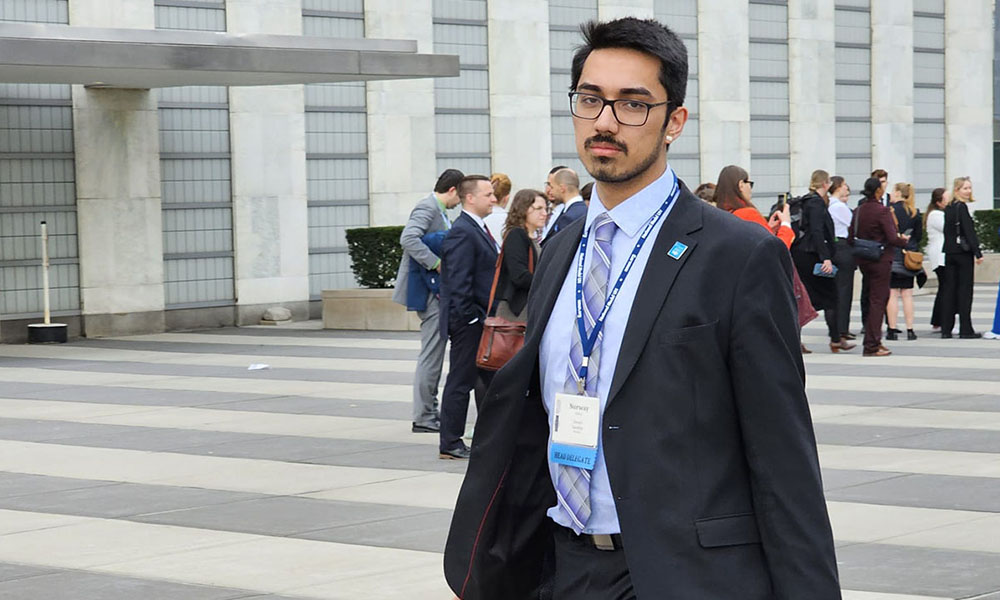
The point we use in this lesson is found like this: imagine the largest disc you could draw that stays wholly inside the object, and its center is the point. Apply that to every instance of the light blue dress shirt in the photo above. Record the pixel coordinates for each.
(630, 217)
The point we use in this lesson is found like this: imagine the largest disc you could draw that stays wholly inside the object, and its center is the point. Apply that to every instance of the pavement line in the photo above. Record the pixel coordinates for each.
(422, 489)
(856, 595)
(257, 563)
(249, 384)
(905, 417)
(901, 384)
(950, 363)
(94, 353)
(909, 460)
(269, 340)
(207, 419)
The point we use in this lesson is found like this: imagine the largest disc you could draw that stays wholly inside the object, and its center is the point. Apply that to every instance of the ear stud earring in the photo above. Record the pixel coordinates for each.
(670, 138)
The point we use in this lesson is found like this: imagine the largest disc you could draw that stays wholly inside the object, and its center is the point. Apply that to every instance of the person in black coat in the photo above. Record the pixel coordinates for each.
(526, 216)
(468, 258)
(961, 248)
(815, 245)
(910, 221)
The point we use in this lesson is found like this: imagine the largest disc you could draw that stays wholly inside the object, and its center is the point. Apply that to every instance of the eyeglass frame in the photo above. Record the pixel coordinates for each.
(748, 182)
(649, 106)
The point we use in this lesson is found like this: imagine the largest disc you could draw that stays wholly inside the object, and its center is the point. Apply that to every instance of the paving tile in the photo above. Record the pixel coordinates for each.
(21, 484)
(945, 439)
(412, 456)
(835, 479)
(80, 585)
(122, 500)
(11, 572)
(925, 491)
(255, 348)
(281, 516)
(856, 435)
(919, 571)
(289, 448)
(322, 406)
(28, 430)
(427, 532)
(139, 395)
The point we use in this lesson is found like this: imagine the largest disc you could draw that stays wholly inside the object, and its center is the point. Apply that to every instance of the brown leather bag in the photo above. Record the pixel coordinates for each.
(913, 260)
(501, 338)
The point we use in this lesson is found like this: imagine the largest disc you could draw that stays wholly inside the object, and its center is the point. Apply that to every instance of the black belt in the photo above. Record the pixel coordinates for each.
(601, 541)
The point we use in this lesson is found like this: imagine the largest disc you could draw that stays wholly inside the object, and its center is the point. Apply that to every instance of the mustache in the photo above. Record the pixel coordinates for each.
(605, 139)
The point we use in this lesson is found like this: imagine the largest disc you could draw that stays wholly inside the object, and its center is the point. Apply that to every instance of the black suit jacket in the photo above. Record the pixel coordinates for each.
(958, 212)
(576, 211)
(515, 275)
(468, 259)
(707, 434)
(819, 236)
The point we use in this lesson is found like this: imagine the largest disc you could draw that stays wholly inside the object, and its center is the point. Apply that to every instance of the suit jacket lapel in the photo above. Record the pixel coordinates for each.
(657, 279)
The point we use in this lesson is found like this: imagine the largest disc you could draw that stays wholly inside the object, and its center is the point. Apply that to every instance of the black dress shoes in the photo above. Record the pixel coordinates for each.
(460, 453)
(945, 335)
(432, 428)
(975, 335)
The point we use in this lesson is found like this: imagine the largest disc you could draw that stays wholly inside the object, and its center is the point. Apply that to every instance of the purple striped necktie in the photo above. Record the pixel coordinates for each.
(573, 483)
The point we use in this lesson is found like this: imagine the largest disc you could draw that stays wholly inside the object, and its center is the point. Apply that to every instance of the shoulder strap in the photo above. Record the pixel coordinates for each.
(496, 277)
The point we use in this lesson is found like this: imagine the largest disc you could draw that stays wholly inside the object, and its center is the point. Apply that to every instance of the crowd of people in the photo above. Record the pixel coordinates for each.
(828, 242)
(457, 274)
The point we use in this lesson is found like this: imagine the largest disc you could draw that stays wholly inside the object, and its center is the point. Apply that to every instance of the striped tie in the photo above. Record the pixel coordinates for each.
(573, 483)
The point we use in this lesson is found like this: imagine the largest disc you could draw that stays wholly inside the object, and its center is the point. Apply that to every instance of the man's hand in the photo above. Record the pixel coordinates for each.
(980, 260)
(827, 267)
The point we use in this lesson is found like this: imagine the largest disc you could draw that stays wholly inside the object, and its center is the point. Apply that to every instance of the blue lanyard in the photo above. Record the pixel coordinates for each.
(588, 342)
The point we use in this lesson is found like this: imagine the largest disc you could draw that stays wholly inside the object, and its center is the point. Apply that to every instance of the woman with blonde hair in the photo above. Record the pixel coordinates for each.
(910, 222)
(813, 251)
(961, 254)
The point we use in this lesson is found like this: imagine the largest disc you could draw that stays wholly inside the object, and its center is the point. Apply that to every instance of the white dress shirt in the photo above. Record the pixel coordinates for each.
(495, 222)
(630, 216)
(841, 215)
(935, 238)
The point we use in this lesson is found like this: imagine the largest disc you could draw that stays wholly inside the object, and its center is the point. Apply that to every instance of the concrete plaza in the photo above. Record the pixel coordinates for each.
(160, 467)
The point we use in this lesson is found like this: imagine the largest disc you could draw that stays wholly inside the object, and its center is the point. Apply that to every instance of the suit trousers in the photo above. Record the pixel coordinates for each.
(876, 278)
(936, 311)
(846, 265)
(959, 274)
(582, 572)
(428, 375)
(463, 377)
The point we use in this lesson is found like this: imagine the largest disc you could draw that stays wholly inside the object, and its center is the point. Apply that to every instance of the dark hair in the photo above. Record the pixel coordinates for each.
(836, 182)
(727, 191)
(557, 168)
(518, 212)
(879, 173)
(449, 179)
(646, 36)
(872, 185)
(468, 185)
(586, 190)
(936, 196)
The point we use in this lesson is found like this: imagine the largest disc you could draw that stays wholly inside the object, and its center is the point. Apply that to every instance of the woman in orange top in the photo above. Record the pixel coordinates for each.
(733, 193)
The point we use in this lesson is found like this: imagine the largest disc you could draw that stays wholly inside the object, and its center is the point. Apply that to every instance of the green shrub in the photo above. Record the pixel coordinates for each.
(375, 255)
(987, 224)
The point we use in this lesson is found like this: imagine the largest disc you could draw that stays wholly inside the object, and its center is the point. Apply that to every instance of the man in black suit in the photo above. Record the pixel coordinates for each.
(669, 453)
(468, 258)
(563, 190)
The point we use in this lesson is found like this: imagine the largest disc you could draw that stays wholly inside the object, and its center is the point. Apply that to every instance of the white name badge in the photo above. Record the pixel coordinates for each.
(576, 426)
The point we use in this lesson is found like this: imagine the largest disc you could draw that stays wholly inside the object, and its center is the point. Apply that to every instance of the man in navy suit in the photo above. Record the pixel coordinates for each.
(468, 258)
(563, 189)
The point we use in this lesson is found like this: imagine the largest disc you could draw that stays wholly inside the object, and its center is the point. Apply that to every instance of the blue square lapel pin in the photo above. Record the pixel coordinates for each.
(677, 250)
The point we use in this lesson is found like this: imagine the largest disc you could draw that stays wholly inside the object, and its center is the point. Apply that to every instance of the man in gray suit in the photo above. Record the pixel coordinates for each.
(428, 216)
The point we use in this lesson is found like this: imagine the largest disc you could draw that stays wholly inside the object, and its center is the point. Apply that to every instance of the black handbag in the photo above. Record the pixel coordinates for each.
(865, 249)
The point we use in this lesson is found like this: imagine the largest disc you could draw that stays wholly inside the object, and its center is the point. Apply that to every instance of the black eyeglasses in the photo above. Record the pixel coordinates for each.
(748, 182)
(633, 113)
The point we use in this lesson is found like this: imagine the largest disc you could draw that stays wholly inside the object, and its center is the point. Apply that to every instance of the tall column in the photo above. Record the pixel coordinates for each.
(270, 214)
(892, 88)
(401, 144)
(519, 90)
(614, 9)
(811, 89)
(116, 139)
(968, 97)
(724, 85)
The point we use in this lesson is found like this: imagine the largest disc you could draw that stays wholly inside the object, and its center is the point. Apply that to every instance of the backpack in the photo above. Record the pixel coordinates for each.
(799, 224)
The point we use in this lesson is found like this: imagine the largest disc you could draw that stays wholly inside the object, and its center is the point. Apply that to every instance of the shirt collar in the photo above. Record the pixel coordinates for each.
(573, 200)
(441, 204)
(632, 214)
(479, 220)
